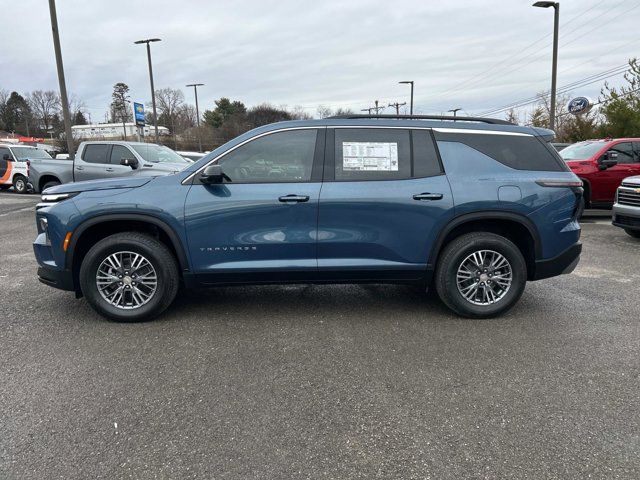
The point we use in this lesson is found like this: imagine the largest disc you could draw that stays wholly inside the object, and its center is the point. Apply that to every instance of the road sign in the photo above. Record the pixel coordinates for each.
(138, 110)
(580, 105)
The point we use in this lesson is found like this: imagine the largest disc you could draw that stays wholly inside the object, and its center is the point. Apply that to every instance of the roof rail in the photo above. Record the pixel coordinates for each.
(494, 121)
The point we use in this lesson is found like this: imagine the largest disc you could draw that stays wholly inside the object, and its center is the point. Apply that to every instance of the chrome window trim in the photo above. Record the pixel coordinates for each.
(405, 127)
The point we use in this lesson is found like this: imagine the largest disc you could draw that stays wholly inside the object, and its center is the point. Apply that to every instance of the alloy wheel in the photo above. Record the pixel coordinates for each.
(484, 277)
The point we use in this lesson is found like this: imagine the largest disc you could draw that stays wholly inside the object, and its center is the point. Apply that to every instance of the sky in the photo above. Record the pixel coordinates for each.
(475, 55)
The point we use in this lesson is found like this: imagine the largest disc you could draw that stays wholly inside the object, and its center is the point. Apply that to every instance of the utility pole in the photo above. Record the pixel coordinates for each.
(195, 91)
(409, 82)
(63, 86)
(397, 105)
(153, 91)
(377, 108)
(455, 111)
(554, 64)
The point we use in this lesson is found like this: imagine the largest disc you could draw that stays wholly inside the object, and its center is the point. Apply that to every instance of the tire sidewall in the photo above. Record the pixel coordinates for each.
(20, 181)
(518, 269)
(89, 287)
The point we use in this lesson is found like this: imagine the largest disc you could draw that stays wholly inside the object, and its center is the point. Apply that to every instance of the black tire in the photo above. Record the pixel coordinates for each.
(51, 183)
(20, 184)
(632, 233)
(157, 254)
(452, 258)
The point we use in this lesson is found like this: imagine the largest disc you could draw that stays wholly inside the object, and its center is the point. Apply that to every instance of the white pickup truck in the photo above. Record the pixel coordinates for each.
(105, 159)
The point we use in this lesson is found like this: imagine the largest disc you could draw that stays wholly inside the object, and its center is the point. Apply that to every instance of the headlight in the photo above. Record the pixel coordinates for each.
(57, 197)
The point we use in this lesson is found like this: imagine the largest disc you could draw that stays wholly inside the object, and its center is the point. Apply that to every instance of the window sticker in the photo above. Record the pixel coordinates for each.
(370, 156)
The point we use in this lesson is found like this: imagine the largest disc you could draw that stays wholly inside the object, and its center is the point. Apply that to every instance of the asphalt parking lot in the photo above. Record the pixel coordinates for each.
(323, 381)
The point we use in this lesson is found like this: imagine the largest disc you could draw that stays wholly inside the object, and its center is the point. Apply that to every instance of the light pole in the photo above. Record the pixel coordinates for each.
(153, 92)
(554, 66)
(61, 81)
(195, 91)
(411, 104)
(454, 110)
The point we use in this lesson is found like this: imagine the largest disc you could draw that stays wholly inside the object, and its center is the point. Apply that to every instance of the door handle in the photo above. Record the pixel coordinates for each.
(109, 169)
(427, 196)
(79, 168)
(294, 198)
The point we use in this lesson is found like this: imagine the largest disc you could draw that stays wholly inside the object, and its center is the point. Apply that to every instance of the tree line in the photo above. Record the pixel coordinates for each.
(38, 113)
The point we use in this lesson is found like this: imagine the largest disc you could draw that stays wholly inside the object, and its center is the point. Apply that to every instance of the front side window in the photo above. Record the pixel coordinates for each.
(96, 153)
(624, 151)
(278, 157)
(118, 152)
(372, 154)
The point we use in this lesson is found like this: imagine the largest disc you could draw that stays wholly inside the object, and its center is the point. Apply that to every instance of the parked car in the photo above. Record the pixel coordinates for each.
(626, 210)
(191, 156)
(106, 159)
(602, 165)
(15, 165)
(474, 208)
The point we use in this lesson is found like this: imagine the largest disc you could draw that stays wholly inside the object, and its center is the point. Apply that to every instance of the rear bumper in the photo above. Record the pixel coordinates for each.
(566, 262)
(62, 279)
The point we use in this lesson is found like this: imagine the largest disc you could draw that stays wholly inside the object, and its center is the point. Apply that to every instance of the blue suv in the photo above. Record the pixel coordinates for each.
(475, 207)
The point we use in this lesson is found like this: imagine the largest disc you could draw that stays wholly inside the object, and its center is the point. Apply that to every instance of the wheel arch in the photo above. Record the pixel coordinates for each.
(103, 225)
(44, 178)
(513, 226)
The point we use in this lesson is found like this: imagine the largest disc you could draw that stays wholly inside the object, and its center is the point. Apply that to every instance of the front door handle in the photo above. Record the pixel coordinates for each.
(109, 169)
(427, 196)
(79, 168)
(294, 198)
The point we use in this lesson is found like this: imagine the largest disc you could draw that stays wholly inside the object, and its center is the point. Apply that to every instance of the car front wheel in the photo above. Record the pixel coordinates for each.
(481, 275)
(129, 277)
(20, 184)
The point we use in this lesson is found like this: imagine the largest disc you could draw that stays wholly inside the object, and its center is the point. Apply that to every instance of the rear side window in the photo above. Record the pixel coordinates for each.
(372, 154)
(96, 153)
(521, 152)
(425, 158)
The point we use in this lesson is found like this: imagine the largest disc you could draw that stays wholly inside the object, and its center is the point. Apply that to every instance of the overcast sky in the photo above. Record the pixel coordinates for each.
(471, 54)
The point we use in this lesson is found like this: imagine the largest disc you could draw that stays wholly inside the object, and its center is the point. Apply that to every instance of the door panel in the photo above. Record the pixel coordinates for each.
(93, 164)
(245, 231)
(378, 226)
(610, 179)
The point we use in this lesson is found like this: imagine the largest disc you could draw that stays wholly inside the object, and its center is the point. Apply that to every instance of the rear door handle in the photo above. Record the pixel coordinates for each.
(109, 169)
(427, 196)
(294, 198)
(79, 168)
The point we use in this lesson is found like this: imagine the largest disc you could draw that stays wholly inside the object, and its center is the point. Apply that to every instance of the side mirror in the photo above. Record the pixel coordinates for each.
(129, 162)
(608, 160)
(7, 157)
(213, 174)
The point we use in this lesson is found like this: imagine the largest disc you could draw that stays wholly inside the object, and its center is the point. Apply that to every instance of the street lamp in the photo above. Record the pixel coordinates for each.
(195, 91)
(411, 104)
(454, 110)
(554, 67)
(153, 92)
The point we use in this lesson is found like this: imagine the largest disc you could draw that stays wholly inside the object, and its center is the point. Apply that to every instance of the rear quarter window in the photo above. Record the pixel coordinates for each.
(520, 152)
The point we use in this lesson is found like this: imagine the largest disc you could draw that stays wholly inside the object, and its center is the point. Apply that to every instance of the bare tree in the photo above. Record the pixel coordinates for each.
(169, 102)
(44, 105)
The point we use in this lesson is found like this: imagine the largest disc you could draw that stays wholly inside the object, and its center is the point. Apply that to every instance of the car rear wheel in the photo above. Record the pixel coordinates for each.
(632, 233)
(480, 275)
(20, 184)
(129, 277)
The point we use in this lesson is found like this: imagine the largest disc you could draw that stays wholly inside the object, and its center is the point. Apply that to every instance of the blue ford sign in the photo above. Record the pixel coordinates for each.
(580, 105)
(138, 111)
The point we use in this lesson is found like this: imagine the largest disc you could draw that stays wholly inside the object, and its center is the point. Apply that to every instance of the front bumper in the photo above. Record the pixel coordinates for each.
(626, 216)
(561, 264)
(62, 279)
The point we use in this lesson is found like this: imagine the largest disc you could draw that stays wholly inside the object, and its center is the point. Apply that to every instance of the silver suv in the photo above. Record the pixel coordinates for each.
(626, 210)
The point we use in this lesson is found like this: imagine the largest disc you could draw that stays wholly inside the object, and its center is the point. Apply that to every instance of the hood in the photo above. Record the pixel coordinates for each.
(106, 184)
(632, 181)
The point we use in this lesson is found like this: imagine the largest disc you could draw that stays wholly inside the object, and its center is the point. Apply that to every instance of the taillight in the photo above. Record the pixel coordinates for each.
(28, 165)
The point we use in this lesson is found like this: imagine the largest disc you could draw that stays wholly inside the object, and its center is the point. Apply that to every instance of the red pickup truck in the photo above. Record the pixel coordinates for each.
(602, 165)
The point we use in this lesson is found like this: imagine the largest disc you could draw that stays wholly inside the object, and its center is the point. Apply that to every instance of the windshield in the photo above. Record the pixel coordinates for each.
(581, 151)
(158, 154)
(24, 153)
